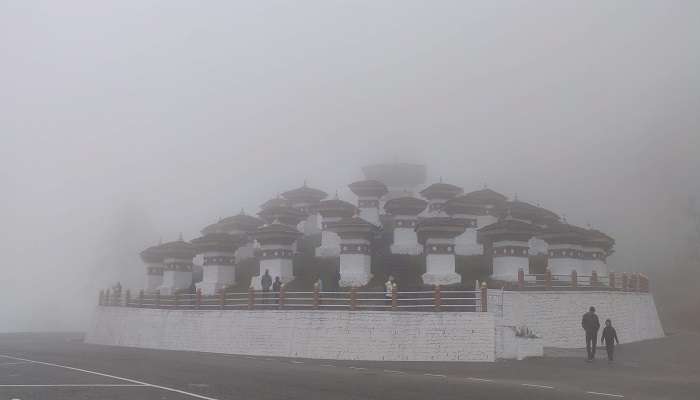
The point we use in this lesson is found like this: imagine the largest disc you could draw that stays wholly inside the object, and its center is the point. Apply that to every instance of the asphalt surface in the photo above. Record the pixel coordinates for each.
(61, 366)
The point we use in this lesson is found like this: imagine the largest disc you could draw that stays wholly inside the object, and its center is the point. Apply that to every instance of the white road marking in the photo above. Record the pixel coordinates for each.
(358, 368)
(81, 385)
(13, 363)
(479, 379)
(268, 359)
(606, 394)
(198, 396)
(391, 371)
(297, 362)
(437, 375)
(250, 358)
(537, 386)
(328, 365)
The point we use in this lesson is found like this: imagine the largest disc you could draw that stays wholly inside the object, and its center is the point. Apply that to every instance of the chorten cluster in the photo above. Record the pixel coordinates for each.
(394, 219)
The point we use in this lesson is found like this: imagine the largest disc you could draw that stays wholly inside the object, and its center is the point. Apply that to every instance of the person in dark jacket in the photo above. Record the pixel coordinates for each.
(591, 325)
(265, 283)
(277, 287)
(609, 337)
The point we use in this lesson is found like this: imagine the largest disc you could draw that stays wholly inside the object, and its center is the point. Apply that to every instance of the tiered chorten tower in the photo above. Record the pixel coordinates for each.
(331, 212)
(369, 194)
(276, 251)
(355, 250)
(476, 209)
(153, 258)
(177, 274)
(508, 242)
(437, 235)
(404, 211)
(437, 195)
(219, 255)
(242, 225)
(306, 199)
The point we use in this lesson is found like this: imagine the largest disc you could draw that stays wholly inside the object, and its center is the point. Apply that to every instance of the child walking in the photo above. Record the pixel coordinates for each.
(609, 337)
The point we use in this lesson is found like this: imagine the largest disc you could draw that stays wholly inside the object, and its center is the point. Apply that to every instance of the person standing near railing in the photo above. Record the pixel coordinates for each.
(389, 288)
(276, 288)
(265, 283)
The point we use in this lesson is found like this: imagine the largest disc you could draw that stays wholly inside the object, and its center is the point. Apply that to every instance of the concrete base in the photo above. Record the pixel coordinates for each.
(406, 242)
(216, 277)
(276, 267)
(506, 268)
(370, 215)
(330, 245)
(440, 270)
(466, 245)
(153, 282)
(355, 270)
(175, 280)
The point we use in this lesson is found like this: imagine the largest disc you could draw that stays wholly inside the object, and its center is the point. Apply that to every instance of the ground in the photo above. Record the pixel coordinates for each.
(61, 366)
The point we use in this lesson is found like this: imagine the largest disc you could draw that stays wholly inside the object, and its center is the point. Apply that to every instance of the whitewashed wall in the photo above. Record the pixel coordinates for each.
(556, 316)
(341, 335)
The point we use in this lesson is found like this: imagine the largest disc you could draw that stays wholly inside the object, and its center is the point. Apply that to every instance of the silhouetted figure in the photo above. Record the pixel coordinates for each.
(265, 282)
(591, 325)
(609, 337)
(277, 285)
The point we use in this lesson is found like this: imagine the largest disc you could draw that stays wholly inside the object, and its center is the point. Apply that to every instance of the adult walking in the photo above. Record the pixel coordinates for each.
(265, 283)
(591, 325)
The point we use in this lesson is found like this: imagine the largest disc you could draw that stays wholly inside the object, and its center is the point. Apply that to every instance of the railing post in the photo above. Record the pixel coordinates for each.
(315, 296)
(283, 294)
(251, 298)
(547, 279)
(611, 279)
(198, 298)
(484, 297)
(624, 282)
(140, 298)
(521, 278)
(158, 299)
(222, 298)
(438, 297)
(394, 297)
(127, 298)
(101, 299)
(574, 279)
(353, 298)
(594, 278)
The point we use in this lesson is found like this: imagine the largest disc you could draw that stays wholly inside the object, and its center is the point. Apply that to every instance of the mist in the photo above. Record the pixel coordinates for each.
(129, 122)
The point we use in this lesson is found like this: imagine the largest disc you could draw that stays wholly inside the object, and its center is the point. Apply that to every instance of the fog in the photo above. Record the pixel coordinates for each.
(128, 122)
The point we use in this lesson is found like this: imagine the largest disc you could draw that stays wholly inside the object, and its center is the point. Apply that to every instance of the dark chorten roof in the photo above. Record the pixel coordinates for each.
(522, 210)
(441, 191)
(507, 229)
(439, 227)
(276, 233)
(484, 196)
(153, 254)
(336, 208)
(218, 242)
(353, 227)
(304, 194)
(596, 238)
(274, 202)
(179, 249)
(396, 174)
(368, 188)
(405, 206)
(283, 214)
(240, 222)
(563, 233)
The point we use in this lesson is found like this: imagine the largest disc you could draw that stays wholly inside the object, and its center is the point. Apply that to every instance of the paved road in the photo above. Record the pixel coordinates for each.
(60, 366)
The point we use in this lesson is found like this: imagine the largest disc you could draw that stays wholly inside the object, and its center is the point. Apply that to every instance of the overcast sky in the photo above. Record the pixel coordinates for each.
(123, 122)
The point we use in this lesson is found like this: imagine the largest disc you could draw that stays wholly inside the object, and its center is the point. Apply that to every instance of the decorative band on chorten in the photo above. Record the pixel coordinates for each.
(157, 271)
(219, 260)
(368, 203)
(355, 249)
(178, 266)
(566, 253)
(275, 254)
(594, 255)
(405, 223)
(439, 249)
(511, 251)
